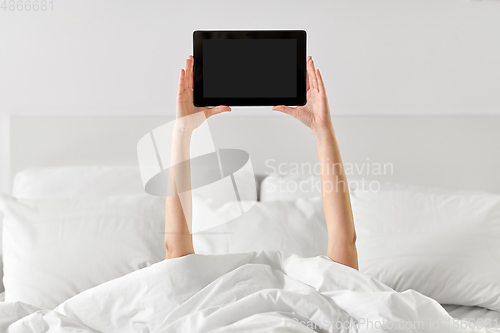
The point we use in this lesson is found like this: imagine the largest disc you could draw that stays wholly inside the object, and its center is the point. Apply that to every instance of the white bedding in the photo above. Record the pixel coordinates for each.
(473, 313)
(247, 292)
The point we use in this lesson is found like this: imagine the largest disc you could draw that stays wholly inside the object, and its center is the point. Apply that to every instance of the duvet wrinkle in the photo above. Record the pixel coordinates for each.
(265, 291)
(259, 302)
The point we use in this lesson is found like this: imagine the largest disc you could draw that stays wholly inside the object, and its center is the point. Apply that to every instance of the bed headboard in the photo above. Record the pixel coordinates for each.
(458, 152)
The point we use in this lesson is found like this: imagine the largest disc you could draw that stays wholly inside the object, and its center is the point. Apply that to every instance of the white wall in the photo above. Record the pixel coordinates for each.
(377, 56)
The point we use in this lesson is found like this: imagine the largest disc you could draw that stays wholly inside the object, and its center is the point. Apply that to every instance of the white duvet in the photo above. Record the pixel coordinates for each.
(248, 292)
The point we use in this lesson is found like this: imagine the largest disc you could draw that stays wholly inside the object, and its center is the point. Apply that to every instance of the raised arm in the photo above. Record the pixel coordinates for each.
(335, 191)
(178, 215)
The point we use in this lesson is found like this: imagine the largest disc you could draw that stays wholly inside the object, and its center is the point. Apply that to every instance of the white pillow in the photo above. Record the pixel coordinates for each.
(56, 248)
(62, 182)
(445, 246)
(290, 226)
(290, 187)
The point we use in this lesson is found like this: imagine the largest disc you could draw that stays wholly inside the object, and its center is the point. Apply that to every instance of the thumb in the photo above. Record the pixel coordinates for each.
(284, 109)
(211, 111)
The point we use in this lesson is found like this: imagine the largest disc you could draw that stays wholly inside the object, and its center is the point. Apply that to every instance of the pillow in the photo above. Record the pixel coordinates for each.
(443, 245)
(91, 181)
(1, 273)
(62, 182)
(56, 248)
(290, 187)
(290, 226)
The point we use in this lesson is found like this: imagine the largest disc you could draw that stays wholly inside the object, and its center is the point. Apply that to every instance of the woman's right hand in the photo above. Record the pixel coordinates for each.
(316, 113)
(189, 117)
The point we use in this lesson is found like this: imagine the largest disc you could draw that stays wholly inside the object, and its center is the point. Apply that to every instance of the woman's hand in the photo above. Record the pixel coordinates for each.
(316, 113)
(189, 117)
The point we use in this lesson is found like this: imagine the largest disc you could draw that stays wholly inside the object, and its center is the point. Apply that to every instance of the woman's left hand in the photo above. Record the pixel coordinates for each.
(316, 113)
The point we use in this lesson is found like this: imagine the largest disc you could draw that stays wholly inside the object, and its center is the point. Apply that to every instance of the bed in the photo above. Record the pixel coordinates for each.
(275, 281)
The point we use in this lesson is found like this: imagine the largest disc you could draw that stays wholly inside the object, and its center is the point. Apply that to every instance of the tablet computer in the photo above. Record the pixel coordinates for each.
(249, 68)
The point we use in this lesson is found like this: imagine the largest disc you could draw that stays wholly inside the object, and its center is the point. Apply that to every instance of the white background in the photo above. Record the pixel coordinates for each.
(123, 57)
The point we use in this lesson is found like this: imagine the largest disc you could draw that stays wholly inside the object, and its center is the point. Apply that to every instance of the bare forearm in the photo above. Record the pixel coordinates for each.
(178, 215)
(336, 200)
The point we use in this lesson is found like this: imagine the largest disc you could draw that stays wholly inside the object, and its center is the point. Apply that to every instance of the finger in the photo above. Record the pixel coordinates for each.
(180, 87)
(307, 81)
(313, 77)
(189, 74)
(310, 73)
(307, 74)
(186, 84)
(192, 77)
(321, 84)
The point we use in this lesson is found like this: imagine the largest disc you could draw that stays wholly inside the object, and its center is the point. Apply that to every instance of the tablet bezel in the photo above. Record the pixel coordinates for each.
(200, 35)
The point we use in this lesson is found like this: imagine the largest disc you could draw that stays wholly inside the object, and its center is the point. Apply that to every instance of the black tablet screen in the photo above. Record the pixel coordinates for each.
(251, 68)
